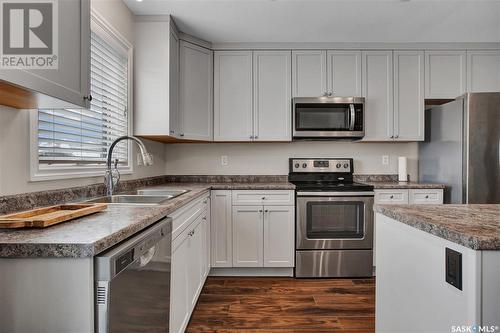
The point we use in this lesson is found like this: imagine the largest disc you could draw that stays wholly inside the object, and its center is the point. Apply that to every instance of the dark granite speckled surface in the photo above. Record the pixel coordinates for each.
(473, 226)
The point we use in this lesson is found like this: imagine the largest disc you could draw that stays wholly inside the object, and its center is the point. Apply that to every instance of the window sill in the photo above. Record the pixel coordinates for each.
(59, 174)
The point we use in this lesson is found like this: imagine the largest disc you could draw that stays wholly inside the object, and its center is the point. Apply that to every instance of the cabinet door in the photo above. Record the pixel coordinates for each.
(344, 73)
(208, 236)
(483, 71)
(279, 236)
(179, 307)
(426, 196)
(396, 196)
(409, 95)
(272, 95)
(195, 261)
(70, 81)
(248, 236)
(308, 73)
(233, 96)
(174, 64)
(378, 93)
(221, 229)
(196, 92)
(444, 74)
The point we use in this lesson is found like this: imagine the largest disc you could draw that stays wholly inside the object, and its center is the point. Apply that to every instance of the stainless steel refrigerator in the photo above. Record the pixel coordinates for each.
(462, 148)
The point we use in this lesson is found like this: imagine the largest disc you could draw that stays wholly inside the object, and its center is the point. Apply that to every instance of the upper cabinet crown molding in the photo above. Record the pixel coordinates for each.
(69, 84)
(483, 71)
(445, 74)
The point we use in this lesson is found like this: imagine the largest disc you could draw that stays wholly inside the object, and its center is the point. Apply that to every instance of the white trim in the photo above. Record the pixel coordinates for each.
(296, 46)
(106, 31)
(251, 271)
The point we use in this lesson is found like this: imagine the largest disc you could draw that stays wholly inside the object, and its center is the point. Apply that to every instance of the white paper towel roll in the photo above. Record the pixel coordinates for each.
(402, 166)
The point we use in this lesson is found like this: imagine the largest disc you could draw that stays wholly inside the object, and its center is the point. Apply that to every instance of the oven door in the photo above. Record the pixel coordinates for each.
(334, 220)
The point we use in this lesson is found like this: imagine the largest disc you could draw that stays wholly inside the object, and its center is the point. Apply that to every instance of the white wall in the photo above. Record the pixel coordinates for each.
(272, 158)
(14, 134)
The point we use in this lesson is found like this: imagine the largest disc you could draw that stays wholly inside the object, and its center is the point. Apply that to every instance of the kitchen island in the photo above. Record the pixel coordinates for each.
(438, 267)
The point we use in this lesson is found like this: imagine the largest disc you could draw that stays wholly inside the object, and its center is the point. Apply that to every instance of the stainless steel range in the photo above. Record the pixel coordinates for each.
(334, 219)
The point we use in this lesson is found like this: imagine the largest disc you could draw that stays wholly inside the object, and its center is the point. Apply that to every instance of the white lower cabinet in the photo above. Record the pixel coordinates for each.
(405, 196)
(279, 239)
(190, 266)
(248, 233)
(248, 236)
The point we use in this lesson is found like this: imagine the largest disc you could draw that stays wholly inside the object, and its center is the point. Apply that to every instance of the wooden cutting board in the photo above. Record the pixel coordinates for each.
(47, 216)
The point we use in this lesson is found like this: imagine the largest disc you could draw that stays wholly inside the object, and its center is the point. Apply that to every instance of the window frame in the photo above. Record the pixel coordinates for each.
(107, 32)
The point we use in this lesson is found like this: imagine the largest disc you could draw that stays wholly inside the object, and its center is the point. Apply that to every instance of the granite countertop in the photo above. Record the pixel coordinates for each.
(90, 235)
(473, 226)
(403, 185)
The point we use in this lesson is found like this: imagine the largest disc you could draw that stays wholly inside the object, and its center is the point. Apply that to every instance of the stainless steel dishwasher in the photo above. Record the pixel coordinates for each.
(132, 282)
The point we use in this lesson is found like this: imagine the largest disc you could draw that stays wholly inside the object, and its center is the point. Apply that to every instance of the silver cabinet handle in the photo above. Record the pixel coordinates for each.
(256, 137)
(182, 134)
(427, 197)
(397, 136)
(263, 198)
(172, 132)
(392, 136)
(260, 210)
(88, 98)
(392, 197)
(251, 136)
(266, 211)
(204, 218)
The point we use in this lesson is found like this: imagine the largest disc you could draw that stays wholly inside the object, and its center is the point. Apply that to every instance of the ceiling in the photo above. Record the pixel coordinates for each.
(261, 21)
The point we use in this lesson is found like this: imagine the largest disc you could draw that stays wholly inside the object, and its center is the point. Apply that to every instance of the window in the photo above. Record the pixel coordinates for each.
(74, 142)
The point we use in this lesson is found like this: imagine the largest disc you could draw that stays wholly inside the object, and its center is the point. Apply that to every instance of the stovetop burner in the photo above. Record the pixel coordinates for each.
(324, 174)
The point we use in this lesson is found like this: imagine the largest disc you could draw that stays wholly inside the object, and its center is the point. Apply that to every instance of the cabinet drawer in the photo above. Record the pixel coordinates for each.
(257, 197)
(391, 196)
(187, 214)
(426, 196)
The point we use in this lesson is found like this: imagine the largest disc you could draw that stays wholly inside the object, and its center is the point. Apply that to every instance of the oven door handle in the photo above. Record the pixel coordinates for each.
(335, 194)
(352, 118)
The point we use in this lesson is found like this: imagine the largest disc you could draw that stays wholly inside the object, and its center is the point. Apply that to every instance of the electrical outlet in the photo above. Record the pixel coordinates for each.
(385, 159)
(223, 160)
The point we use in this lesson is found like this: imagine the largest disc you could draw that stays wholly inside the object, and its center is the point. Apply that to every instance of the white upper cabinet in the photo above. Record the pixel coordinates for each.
(69, 83)
(233, 96)
(156, 76)
(272, 95)
(409, 95)
(279, 236)
(344, 73)
(444, 74)
(483, 71)
(195, 92)
(309, 73)
(378, 91)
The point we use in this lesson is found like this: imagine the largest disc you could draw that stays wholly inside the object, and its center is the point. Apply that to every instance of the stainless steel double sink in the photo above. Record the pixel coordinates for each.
(145, 197)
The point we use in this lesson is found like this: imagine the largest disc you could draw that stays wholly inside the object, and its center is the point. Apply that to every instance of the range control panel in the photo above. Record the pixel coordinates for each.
(321, 165)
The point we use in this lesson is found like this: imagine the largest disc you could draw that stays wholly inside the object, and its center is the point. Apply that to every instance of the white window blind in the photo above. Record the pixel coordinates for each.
(82, 136)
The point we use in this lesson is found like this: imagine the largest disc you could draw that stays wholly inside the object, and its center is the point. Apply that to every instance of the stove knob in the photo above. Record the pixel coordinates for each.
(304, 165)
(338, 165)
(297, 165)
(346, 165)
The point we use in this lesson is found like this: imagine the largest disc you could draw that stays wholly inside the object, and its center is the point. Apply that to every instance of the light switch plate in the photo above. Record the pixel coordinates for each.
(385, 159)
(224, 160)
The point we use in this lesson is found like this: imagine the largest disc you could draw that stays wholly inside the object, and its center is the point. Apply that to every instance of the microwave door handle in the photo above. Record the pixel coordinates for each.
(352, 118)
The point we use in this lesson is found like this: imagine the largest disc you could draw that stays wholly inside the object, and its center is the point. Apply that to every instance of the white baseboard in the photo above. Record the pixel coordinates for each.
(252, 271)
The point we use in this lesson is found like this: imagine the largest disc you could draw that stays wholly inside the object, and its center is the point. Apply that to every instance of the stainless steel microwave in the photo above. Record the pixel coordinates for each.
(328, 117)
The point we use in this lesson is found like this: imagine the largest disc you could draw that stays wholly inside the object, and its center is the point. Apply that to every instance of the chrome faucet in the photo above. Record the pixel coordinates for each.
(109, 180)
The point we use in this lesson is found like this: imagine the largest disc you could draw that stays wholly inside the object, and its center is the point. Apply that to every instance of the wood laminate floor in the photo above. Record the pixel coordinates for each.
(251, 305)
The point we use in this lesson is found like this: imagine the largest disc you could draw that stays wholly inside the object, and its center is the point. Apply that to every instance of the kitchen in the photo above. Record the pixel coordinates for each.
(278, 179)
